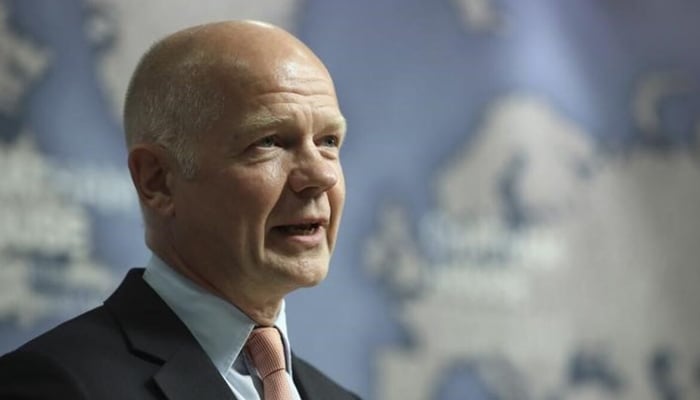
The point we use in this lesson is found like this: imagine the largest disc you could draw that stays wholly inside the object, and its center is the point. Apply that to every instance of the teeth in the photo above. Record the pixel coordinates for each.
(305, 229)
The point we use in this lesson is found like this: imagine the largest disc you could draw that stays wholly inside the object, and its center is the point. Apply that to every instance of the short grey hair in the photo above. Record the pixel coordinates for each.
(172, 98)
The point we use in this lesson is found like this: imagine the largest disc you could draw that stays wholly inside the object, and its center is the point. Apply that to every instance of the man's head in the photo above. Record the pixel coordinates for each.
(234, 132)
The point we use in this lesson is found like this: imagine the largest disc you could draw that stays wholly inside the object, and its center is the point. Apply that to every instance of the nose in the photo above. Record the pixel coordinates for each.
(313, 174)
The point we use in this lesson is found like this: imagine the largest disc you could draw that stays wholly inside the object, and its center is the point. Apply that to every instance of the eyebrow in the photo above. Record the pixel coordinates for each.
(260, 121)
(264, 120)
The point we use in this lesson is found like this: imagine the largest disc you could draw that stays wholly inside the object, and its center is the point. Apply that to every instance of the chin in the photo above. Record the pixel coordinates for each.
(308, 274)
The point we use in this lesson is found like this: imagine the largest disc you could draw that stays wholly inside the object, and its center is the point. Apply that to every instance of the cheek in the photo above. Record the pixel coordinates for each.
(257, 189)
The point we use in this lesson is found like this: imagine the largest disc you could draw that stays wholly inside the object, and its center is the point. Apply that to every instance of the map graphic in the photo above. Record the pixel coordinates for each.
(523, 180)
(510, 275)
(45, 244)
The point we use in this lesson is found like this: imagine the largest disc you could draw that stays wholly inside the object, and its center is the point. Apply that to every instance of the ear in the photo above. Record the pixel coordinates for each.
(151, 173)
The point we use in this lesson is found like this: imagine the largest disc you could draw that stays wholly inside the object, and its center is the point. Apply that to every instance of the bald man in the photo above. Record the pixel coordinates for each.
(233, 131)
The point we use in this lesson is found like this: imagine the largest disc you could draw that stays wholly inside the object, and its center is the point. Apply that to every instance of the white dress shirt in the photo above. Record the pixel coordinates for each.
(219, 327)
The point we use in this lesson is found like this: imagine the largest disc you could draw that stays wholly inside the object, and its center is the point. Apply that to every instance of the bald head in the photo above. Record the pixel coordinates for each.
(186, 81)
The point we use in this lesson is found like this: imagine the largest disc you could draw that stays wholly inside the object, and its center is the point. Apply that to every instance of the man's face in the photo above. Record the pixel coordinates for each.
(264, 207)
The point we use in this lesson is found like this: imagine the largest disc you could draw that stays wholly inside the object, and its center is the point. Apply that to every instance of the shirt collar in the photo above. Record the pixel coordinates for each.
(220, 327)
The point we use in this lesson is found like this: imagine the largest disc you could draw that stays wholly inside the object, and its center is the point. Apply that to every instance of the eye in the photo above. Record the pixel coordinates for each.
(330, 141)
(266, 142)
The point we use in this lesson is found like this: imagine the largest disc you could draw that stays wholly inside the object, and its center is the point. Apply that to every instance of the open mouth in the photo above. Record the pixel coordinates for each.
(301, 229)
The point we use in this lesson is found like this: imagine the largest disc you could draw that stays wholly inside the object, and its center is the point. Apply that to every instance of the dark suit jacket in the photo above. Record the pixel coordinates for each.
(133, 347)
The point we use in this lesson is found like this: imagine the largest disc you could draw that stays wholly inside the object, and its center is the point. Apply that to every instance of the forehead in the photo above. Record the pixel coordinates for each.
(293, 76)
(284, 93)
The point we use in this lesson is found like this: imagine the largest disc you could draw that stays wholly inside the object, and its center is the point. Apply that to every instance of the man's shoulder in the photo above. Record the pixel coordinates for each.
(80, 343)
(313, 383)
(77, 334)
(95, 334)
(81, 357)
(58, 359)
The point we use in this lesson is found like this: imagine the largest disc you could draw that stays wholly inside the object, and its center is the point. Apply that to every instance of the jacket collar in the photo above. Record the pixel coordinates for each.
(154, 333)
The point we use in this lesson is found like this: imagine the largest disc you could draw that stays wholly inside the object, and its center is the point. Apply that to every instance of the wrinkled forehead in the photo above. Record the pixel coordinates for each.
(255, 73)
(285, 94)
(249, 77)
(249, 85)
(308, 106)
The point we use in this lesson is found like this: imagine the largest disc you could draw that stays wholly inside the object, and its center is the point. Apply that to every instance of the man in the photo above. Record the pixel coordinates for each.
(233, 131)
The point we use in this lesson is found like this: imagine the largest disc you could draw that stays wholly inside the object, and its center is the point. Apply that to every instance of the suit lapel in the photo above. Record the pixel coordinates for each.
(182, 378)
(155, 333)
(311, 384)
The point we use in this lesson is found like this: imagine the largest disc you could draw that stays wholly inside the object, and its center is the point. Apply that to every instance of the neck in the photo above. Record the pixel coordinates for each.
(261, 309)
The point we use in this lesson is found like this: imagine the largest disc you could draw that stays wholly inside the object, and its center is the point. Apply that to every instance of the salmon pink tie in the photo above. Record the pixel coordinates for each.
(266, 350)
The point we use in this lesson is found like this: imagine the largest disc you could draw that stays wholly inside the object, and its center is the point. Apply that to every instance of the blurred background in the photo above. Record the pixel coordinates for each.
(523, 187)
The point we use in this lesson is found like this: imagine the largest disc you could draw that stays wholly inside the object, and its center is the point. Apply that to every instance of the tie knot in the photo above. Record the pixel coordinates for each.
(266, 350)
